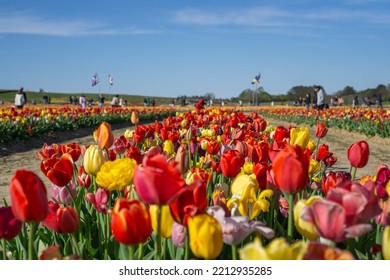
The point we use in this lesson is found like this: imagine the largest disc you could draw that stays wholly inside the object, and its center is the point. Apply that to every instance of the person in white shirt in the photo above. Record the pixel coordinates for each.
(20, 99)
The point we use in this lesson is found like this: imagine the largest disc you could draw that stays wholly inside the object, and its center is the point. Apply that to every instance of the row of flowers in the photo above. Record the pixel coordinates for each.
(206, 184)
(33, 121)
(367, 121)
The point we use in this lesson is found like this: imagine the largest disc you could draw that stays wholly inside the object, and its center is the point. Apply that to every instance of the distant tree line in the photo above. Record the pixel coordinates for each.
(261, 96)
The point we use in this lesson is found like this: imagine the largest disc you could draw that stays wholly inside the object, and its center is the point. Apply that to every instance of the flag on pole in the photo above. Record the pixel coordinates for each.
(256, 79)
(110, 80)
(95, 79)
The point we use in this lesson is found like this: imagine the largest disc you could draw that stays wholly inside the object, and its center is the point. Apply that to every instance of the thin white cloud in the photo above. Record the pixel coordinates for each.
(26, 23)
(276, 17)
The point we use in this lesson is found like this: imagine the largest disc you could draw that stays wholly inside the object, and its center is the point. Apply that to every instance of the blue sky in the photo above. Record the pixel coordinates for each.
(171, 48)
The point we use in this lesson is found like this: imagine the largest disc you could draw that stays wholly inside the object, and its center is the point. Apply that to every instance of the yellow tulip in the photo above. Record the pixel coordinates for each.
(128, 134)
(166, 220)
(244, 185)
(311, 146)
(300, 136)
(278, 249)
(94, 158)
(306, 229)
(247, 202)
(117, 174)
(169, 148)
(261, 204)
(206, 239)
(314, 166)
(203, 144)
(247, 168)
(386, 243)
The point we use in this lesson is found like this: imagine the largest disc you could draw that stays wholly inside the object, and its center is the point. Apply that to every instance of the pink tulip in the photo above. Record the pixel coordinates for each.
(236, 229)
(329, 218)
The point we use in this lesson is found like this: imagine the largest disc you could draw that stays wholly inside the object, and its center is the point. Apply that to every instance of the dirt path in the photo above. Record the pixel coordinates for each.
(23, 155)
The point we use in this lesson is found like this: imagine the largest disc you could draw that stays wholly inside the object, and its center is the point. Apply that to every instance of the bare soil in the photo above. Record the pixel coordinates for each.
(23, 155)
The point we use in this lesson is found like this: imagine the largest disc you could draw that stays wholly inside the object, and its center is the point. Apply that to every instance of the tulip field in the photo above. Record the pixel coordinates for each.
(192, 183)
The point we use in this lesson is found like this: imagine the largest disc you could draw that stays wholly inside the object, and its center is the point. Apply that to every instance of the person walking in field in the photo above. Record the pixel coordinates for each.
(308, 101)
(20, 98)
(380, 106)
(83, 102)
(320, 93)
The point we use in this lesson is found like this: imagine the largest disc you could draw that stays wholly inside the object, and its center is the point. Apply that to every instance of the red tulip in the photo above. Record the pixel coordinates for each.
(28, 196)
(190, 201)
(321, 130)
(134, 153)
(9, 225)
(58, 170)
(119, 146)
(61, 220)
(331, 180)
(260, 170)
(50, 220)
(83, 178)
(49, 151)
(130, 222)
(73, 149)
(291, 169)
(213, 146)
(260, 152)
(157, 181)
(231, 163)
(67, 219)
(358, 154)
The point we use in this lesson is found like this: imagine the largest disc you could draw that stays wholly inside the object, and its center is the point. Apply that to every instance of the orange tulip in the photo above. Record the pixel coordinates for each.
(130, 222)
(134, 118)
(104, 136)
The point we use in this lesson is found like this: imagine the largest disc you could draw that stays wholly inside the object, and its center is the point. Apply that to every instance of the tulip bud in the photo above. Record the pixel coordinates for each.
(206, 239)
(104, 136)
(93, 159)
(182, 159)
(358, 154)
(169, 148)
(178, 234)
(166, 220)
(68, 220)
(134, 118)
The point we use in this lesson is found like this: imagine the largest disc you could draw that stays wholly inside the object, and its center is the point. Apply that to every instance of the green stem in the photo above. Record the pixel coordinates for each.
(234, 252)
(290, 225)
(353, 174)
(76, 248)
(131, 252)
(378, 236)
(158, 240)
(3, 244)
(187, 246)
(32, 255)
(141, 251)
(107, 235)
(271, 213)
